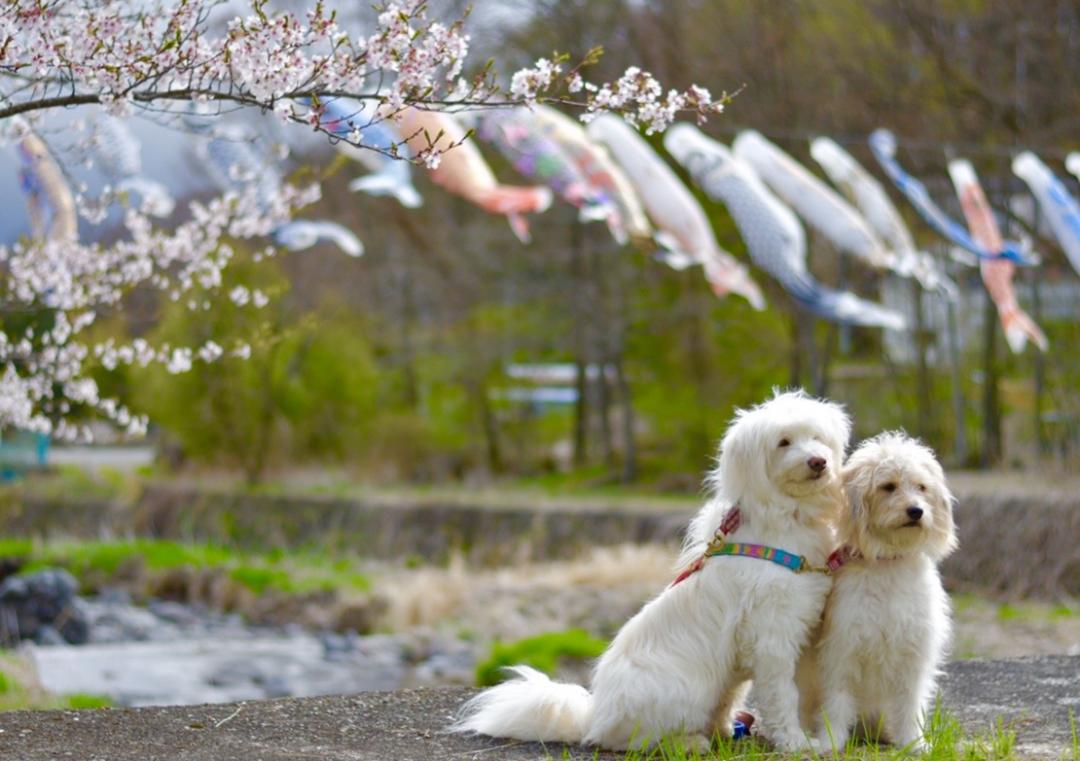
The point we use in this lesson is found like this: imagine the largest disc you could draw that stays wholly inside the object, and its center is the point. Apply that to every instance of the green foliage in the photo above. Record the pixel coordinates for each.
(542, 652)
(692, 369)
(308, 389)
(6, 683)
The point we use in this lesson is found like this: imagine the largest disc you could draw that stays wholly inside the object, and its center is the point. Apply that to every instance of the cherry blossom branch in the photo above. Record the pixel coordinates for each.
(176, 57)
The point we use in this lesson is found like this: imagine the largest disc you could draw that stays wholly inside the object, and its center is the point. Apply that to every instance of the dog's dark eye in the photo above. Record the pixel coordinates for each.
(785, 443)
(922, 487)
(889, 487)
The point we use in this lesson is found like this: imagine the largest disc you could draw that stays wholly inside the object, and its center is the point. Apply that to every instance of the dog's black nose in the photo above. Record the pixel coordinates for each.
(816, 464)
(914, 513)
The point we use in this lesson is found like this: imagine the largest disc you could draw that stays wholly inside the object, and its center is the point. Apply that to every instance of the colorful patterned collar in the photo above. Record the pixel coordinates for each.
(720, 546)
(788, 560)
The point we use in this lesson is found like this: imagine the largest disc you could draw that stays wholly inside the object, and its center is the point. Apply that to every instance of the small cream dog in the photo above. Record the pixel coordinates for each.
(886, 624)
(680, 665)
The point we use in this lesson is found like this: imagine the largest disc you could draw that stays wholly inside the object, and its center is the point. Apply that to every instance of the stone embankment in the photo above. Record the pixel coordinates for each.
(1014, 542)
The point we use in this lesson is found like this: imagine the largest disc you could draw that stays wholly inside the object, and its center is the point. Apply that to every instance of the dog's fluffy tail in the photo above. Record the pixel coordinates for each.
(529, 707)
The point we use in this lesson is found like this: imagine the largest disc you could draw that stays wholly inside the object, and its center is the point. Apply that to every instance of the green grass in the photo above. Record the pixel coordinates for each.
(945, 738)
(95, 563)
(83, 701)
(1026, 611)
(542, 652)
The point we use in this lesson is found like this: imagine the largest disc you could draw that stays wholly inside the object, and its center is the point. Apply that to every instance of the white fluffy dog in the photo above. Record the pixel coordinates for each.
(886, 623)
(680, 665)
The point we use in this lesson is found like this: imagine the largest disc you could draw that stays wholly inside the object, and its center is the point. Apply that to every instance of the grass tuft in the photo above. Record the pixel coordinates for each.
(542, 652)
(23, 694)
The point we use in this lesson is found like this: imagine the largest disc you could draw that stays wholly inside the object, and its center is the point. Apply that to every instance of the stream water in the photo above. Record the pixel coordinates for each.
(172, 654)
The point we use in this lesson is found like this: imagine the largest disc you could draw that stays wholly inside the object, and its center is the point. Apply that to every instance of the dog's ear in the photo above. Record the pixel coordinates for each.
(858, 476)
(856, 479)
(740, 470)
(840, 424)
(943, 531)
(944, 539)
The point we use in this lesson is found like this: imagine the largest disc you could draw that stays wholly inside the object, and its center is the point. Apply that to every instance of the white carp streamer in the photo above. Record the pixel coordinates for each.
(1056, 204)
(813, 200)
(868, 195)
(772, 233)
(684, 228)
(997, 274)
(49, 201)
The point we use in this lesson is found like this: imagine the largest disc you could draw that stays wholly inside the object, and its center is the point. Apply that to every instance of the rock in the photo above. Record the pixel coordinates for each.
(337, 646)
(123, 622)
(174, 612)
(457, 668)
(9, 567)
(47, 635)
(32, 602)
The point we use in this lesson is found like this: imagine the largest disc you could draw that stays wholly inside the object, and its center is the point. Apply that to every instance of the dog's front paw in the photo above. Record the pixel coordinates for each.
(794, 742)
(697, 744)
(831, 743)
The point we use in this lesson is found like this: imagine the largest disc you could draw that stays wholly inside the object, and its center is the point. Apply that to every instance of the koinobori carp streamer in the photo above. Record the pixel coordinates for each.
(1056, 203)
(883, 145)
(49, 201)
(997, 274)
(517, 135)
(870, 198)
(461, 169)
(775, 239)
(382, 150)
(684, 229)
(818, 204)
(626, 218)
